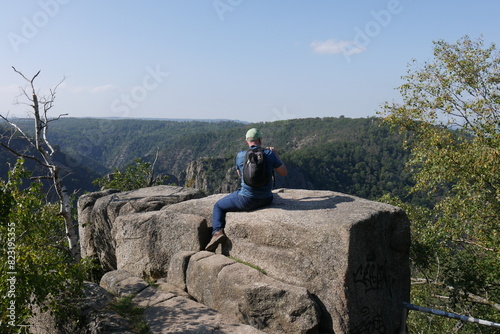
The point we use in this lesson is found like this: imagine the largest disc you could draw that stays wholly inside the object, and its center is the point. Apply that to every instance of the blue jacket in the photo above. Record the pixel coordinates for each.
(260, 192)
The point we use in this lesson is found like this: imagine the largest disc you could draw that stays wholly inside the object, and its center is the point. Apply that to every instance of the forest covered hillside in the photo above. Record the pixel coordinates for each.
(355, 156)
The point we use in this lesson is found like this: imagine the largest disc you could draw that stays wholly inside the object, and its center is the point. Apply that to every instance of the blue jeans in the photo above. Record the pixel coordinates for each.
(232, 203)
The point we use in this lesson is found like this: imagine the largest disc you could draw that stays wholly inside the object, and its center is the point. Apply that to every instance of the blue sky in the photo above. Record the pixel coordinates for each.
(250, 60)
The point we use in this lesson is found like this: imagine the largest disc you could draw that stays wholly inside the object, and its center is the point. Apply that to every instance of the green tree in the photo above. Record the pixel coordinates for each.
(450, 106)
(135, 176)
(36, 266)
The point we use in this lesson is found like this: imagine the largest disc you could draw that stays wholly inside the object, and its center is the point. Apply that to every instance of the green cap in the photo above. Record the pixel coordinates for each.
(253, 134)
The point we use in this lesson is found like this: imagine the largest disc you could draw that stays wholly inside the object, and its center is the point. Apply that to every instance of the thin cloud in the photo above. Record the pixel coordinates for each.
(87, 89)
(103, 88)
(335, 46)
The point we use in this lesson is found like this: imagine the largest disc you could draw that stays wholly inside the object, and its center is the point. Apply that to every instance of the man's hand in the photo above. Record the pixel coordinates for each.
(273, 150)
(282, 169)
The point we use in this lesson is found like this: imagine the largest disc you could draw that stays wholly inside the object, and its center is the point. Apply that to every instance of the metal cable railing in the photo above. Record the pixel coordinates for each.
(444, 314)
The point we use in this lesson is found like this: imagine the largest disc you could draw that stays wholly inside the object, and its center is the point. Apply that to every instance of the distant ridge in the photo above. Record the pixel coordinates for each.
(14, 119)
(353, 156)
(170, 119)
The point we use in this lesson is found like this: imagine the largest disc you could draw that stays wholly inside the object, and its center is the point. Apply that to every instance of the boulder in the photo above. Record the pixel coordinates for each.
(248, 296)
(145, 242)
(122, 283)
(352, 254)
(98, 211)
(164, 311)
(86, 229)
(177, 269)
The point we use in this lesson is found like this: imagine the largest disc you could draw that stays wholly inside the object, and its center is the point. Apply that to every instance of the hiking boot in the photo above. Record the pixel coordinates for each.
(217, 238)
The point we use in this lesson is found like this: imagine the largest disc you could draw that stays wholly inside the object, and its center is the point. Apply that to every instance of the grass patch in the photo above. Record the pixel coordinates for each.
(132, 312)
(151, 282)
(249, 264)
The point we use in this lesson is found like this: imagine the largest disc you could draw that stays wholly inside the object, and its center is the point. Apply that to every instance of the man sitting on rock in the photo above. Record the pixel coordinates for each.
(253, 194)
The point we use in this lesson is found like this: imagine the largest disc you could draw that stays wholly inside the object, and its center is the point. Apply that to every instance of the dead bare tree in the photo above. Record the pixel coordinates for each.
(40, 106)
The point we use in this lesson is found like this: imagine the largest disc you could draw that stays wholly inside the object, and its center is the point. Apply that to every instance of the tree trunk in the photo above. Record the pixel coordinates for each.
(62, 193)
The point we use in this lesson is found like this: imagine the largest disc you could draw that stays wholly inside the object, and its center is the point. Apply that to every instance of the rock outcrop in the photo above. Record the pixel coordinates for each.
(218, 175)
(170, 310)
(211, 175)
(98, 213)
(255, 298)
(343, 258)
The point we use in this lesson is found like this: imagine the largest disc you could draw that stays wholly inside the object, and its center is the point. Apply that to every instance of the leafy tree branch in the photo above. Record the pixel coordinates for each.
(451, 107)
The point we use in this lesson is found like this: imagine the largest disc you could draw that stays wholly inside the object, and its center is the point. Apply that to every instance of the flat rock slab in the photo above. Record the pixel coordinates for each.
(165, 312)
(181, 315)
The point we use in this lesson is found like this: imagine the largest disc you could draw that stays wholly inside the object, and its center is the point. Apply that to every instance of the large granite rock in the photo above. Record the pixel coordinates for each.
(145, 242)
(98, 211)
(349, 254)
(169, 312)
(246, 295)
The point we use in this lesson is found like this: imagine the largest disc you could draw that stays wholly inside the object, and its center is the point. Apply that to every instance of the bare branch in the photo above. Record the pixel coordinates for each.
(21, 74)
(57, 118)
(152, 173)
(469, 242)
(57, 86)
(470, 296)
(18, 129)
(24, 155)
(41, 178)
(44, 136)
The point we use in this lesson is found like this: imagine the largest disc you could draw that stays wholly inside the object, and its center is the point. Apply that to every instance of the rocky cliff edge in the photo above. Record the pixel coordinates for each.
(312, 262)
